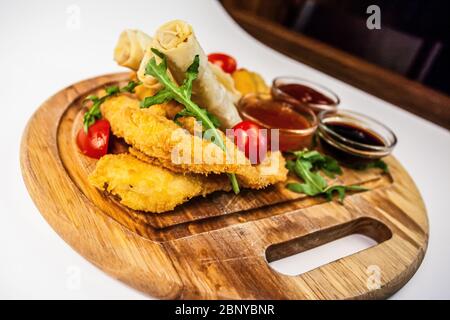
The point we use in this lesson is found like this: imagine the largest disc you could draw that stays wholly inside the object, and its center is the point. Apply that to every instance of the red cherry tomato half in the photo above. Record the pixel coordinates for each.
(94, 143)
(226, 62)
(251, 139)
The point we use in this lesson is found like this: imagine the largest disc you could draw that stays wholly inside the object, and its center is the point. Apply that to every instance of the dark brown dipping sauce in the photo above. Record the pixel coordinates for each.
(305, 94)
(353, 133)
(277, 115)
(356, 134)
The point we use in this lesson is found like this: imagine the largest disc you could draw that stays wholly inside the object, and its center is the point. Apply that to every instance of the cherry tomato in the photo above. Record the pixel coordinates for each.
(94, 143)
(226, 62)
(251, 140)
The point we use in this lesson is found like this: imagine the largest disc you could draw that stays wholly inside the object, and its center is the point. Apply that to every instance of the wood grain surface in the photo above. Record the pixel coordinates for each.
(220, 246)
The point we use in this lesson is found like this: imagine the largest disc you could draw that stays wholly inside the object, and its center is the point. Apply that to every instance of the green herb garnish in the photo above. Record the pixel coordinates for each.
(380, 164)
(182, 94)
(93, 114)
(341, 190)
(307, 165)
(130, 86)
(327, 164)
(187, 113)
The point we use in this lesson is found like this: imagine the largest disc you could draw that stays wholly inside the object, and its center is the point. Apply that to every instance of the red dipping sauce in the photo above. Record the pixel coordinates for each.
(305, 94)
(298, 91)
(296, 124)
(277, 115)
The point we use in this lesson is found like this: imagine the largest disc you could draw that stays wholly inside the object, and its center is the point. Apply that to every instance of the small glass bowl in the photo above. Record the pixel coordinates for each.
(289, 139)
(279, 94)
(350, 152)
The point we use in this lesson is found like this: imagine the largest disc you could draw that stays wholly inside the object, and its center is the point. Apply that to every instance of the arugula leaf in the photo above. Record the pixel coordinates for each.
(131, 86)
(381, 165)
(112, 90)
(330, 167)
(92, 98)
(327, 164)
(306, 167)
(94, 113)
(374, 164)
(191, 75)
(316, 183)
(302, 188)
(187, 113)
(341, 190)
(182, 94)
(290, 165)
(162, 96)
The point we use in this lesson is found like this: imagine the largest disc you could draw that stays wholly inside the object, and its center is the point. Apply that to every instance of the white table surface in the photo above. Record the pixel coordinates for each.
(43, 50)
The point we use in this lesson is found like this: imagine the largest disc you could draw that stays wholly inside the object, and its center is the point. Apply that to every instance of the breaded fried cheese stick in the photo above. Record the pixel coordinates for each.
(145, 187)
(161, 138)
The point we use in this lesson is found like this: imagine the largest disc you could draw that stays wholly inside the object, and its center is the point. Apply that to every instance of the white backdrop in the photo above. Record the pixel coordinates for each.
(43, 49)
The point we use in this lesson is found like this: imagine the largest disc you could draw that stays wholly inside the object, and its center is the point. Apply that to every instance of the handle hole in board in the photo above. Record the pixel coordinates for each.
(316, 249)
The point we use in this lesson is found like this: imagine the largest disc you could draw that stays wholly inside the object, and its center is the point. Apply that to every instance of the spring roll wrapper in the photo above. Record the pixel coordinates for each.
(226, 80)
(177, 41)
(130, 48)
(148, 80)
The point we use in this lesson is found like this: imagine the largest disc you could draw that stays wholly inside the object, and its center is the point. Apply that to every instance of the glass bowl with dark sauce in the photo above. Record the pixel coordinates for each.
(354, 139)
(297, 91)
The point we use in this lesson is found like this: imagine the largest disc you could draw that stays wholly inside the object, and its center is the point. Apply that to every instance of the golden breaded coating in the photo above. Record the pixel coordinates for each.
(145, 187)
(272, 170)
(158, 137)
(155, 161)
(155, 140)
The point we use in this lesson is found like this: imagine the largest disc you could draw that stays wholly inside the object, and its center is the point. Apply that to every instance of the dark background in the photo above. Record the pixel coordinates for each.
(413, 40)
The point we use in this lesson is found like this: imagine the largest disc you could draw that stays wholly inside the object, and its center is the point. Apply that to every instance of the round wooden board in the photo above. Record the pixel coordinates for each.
(198, 251)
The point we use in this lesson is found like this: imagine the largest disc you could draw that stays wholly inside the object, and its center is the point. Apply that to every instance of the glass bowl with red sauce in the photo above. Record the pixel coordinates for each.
(297, 91)
(296, 124)
(354, 139)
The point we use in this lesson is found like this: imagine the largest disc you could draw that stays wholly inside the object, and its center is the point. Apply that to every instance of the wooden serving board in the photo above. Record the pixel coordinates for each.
(220, 246)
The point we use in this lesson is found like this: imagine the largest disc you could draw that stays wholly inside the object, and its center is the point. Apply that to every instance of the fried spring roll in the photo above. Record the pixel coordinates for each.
(130, 48)
(177, 41)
